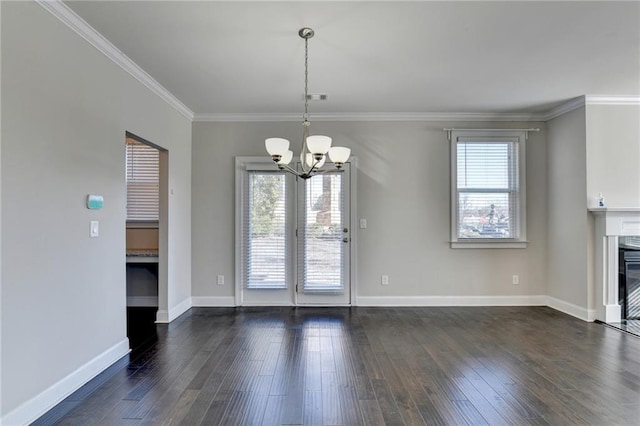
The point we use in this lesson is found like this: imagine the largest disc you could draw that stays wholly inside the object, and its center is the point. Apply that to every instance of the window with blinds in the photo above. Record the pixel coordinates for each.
(320, 246)
(265, 231)
(143, 181)
(487, 187)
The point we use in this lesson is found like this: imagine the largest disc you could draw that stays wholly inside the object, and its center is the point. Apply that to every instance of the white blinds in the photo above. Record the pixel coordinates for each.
(143, 178)
(265, 231)
(320, 244)
(487, 188)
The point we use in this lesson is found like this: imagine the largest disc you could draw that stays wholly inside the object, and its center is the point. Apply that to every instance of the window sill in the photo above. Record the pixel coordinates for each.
(491, 244)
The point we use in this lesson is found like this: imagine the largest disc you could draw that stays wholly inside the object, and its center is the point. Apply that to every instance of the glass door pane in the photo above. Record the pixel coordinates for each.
(266, 239)
(323, 240)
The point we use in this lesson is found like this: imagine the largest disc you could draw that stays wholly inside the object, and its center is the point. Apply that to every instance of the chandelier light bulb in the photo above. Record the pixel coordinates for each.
(286, 157)
(339, 154)
(276, 146)
(318, 144)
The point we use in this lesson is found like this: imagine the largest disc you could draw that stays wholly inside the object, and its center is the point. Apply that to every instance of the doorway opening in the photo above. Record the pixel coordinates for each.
(145, 238)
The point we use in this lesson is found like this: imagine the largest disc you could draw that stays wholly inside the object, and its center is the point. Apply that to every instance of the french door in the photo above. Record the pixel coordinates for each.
(294, 237)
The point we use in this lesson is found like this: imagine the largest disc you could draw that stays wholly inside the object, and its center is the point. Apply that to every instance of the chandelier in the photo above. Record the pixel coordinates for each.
(315, 148)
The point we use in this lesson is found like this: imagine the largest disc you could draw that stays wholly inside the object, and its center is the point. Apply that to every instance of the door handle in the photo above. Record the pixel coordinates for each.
(345, 240)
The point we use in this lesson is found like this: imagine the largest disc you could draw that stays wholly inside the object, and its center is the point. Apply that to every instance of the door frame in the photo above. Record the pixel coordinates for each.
(240, 165)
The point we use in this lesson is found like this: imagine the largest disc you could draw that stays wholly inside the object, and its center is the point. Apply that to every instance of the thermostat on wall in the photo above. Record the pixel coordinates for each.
(94, 202)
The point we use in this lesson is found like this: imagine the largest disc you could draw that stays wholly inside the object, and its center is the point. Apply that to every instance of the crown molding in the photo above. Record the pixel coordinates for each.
(68, 17)
(566, 107)
(581, 101)
(612, 100)
(369, 116)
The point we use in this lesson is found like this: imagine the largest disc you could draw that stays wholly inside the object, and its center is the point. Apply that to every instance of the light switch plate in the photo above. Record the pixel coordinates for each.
(363, 223)
(95, 228)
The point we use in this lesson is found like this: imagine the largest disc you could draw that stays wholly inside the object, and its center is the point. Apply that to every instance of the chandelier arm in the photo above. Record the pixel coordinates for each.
(313, 167)
(288, 169)
(325, 171)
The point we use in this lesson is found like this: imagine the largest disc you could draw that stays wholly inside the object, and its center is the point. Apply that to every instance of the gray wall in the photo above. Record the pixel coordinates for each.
(613, 154)
(567, 211)
(65, 111)
(403, 191)
(592, 149)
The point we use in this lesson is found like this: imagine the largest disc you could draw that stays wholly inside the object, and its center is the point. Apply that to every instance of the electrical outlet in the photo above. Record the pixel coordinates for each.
(516, 279)
(220, 279)
(384, 280)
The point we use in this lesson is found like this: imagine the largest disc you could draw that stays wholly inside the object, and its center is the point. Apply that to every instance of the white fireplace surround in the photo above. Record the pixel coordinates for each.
(610, 225)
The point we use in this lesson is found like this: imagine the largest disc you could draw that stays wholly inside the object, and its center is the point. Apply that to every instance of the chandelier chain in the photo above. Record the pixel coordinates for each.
(306, 79)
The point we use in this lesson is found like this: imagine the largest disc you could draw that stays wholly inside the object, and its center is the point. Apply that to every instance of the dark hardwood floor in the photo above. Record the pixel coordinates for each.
(369, 366)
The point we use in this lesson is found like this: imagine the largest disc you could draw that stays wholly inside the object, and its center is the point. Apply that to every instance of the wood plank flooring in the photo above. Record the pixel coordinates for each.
(369, 366)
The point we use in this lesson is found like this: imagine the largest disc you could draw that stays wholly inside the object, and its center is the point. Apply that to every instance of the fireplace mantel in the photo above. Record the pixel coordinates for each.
(611, 223)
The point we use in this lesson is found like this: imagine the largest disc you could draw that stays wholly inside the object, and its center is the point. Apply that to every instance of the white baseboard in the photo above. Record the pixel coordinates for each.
(451, 301)
(179, 309)
(210, 301)
(162, 316)
(142, 301)
(165, 317)
(571, 309)
(43, 402)
(391, 301)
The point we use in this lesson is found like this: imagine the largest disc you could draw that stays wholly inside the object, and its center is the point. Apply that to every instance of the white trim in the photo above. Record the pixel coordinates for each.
(30, 410)
(581, 101)
(354, 229)
(213, 301)
(566, 107)
(179, 309)
(571, 309)
(72, 20)
(612, 100)
(561, 109)
(368, 116)
(266, 304)
(142, 301)
(496, 244)
(427, 301)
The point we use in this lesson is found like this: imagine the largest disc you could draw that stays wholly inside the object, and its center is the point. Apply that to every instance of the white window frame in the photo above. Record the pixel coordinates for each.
(517, 136)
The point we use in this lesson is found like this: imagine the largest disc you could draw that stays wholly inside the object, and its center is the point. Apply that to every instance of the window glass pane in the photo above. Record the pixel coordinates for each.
(483, 165)
(265, 231)
(484, 215)
(143, 181)
(322, 246)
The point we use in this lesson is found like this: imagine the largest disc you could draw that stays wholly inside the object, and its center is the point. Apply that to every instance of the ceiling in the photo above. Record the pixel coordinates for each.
(377, 57)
